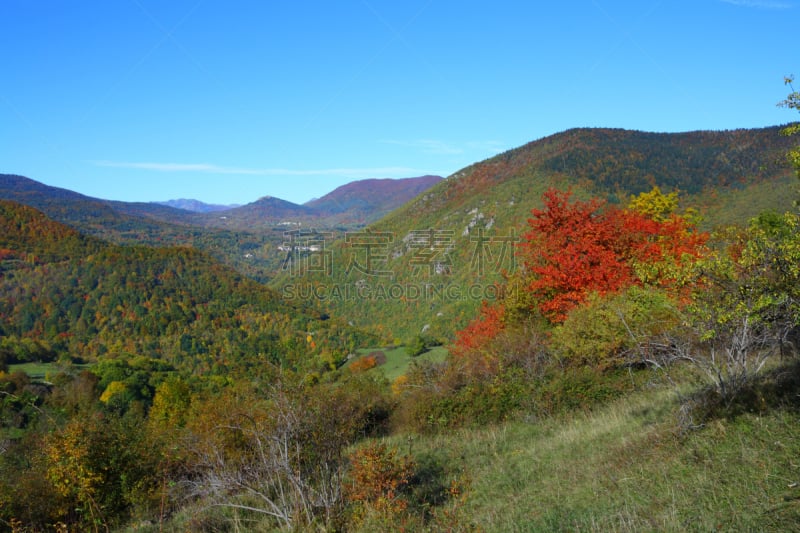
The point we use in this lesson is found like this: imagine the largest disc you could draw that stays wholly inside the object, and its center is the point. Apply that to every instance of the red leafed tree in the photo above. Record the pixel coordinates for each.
(577, 248)
(480, 330)
(570, 251)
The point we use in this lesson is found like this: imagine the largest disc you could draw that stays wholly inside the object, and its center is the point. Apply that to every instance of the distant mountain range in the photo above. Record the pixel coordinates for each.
(246, 237)
(195, 206)
(358, 202)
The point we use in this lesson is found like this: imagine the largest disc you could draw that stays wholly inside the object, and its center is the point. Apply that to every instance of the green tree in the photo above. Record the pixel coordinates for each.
(609, 330)
(102, 467)
(171, 403)
(416, 346)
(746, 303)
(792, 102)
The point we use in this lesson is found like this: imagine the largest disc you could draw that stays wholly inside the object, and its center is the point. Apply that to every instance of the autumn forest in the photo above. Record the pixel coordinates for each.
(593, 307)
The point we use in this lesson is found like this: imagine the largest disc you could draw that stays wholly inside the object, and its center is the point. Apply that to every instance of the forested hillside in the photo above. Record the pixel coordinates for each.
(444, 251)
(109, 354)
(367, 201)
(178, 305)
(254, 254)
(247, 238)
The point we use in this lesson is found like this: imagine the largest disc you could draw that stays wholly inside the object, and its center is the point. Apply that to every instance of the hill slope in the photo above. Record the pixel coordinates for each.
(146, 224)
(438, 257)
(263, 214)
(366, 201)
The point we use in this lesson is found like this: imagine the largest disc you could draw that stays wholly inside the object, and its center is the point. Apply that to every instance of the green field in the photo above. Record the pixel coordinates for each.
(398, 360)
(35, 370)
(40, 371)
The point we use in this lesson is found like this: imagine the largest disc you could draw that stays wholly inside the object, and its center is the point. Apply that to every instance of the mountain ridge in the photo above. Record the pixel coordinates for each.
(356, 203)
(195, 206)
(367, 199)
(334, 208)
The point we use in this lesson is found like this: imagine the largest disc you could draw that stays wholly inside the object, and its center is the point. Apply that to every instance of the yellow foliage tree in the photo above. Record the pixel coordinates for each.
(73, 470)
(655, 204)
(115, 388)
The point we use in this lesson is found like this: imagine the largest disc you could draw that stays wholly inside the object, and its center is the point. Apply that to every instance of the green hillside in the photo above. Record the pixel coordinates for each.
(437, 258)
(94, 300)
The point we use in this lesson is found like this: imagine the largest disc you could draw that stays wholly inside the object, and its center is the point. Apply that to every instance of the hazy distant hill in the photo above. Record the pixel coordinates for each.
(263, 214)
(435, 242)
(366, 201)
(78, 210)
(145, 223)
(246, 237)
(61, 204)
(195, 206)
(354, 204)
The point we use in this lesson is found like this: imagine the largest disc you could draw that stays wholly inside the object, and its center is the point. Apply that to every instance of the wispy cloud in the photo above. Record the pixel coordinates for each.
(206, 168)
(760, 4)
(438, 147)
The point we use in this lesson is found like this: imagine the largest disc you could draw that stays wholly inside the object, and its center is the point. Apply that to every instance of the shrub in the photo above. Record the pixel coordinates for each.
(415, 346)
(609, 331)
(362, 364)
(377, 479)
(746, 306)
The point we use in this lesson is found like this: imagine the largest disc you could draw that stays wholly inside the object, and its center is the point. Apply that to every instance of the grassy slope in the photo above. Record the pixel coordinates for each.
(398, 360)
(621, 468)
(38, 371)
(625, 468)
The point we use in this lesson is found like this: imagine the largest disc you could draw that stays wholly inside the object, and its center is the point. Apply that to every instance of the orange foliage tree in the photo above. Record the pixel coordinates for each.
(481, 330)
(574, 249)
(362, 364)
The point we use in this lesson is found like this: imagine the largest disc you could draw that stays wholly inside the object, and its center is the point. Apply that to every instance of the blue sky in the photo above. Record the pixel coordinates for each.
(226, 102)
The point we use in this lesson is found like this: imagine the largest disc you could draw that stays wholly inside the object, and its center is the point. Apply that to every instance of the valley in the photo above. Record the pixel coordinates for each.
(594, 331)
